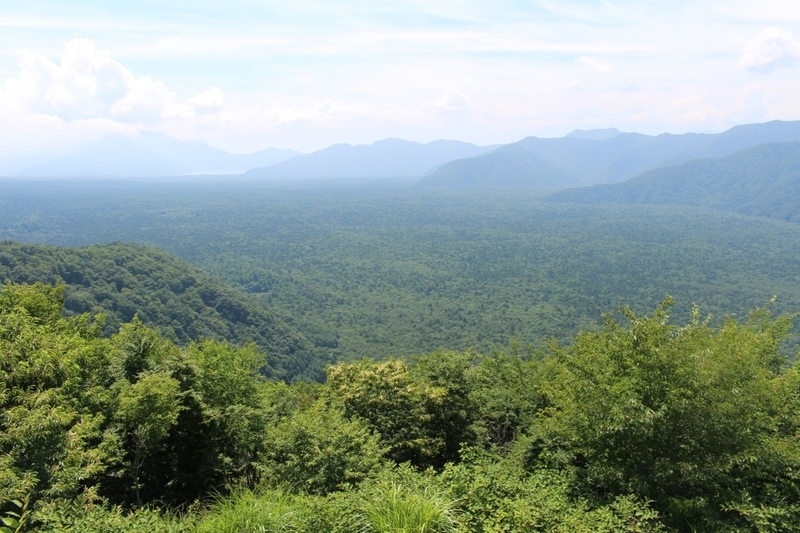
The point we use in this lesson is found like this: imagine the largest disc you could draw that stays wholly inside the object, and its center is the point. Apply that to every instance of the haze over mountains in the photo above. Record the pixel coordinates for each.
(148, 155)
(761, 181)
(600, 156)
(383, 159)
(583, 157)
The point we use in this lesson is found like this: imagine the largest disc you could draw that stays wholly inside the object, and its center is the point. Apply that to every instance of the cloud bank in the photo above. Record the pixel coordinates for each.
(88, 94)
(770, 49)
(305, 74)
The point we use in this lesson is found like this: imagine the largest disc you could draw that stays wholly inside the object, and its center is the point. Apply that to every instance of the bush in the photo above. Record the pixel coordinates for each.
(318, 451)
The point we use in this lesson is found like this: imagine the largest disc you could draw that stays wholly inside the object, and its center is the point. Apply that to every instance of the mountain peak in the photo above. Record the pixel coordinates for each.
(602, 134)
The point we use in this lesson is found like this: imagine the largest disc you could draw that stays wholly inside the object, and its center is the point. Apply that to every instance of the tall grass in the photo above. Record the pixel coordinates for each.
(247, 512)
(395, 508)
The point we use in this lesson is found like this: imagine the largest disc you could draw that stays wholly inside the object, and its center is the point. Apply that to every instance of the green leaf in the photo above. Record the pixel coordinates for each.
(10, 522)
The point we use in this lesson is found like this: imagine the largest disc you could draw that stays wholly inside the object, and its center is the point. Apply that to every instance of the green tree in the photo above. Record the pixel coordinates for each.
(148, 409)
(319, 451)
(399, 407)
(54, 396)
(699, 420)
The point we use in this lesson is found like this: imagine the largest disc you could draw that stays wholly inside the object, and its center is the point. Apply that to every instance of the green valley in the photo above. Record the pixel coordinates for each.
(396, 270)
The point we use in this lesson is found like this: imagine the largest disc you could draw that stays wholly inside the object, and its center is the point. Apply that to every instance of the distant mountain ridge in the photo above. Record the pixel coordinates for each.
(763, 180)
(585, 158)
(389, 158)
(596, 134)
(148, 155)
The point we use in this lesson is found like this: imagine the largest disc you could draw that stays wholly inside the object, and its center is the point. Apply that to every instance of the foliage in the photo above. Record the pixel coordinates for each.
(81, 516)
(54, 395)
(148, 409)
(392, 505)
(14, 519)
(700, 420)
(126, 282)
(496, 494)
(131, 418)
(506, 396)
(401, 408)
(262, 512)
(317, 450)
(637, 425)
(392, 271)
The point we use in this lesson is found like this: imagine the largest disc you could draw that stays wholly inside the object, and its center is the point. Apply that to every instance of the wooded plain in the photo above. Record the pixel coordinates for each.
(472, 379)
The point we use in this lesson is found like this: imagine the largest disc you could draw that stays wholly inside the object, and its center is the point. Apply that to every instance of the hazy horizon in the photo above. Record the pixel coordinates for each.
(306, 75)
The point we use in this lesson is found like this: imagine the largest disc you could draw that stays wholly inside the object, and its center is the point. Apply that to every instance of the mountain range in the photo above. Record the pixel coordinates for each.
(600, 156)
(389, 158)
(147, 155)
(583, 157)
(763, 181)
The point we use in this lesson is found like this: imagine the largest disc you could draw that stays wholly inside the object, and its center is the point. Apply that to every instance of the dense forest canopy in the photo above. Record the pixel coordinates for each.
(476, 385)
(165, 293)
(639, 425)
(381, 271)
(760, 181)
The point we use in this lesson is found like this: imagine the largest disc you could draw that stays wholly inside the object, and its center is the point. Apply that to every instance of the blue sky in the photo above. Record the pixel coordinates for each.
(244, 75)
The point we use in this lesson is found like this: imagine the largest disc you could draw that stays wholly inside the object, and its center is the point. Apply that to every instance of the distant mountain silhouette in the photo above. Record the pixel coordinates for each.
(763, 180)
(382, 159)
(508, 166)
(594, 135)
(198, 157)
(603, 157)
(149, 155)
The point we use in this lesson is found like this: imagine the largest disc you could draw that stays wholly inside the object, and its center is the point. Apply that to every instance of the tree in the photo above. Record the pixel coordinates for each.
(54, 396)
(700, 420)
(399, 407)
(147, 410)
(319, 451)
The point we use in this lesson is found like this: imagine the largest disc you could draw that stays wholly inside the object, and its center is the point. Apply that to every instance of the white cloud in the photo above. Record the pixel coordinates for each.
(772, 48)
(595, 65)
(89, 84)
(208, 102)
(453, 101)
(87, 95)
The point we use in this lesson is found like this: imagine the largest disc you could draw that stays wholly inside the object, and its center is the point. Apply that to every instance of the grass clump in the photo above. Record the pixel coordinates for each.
(265, 511)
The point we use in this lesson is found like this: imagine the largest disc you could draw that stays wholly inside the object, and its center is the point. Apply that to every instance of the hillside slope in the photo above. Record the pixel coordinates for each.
(166, 293)
(398, 270)
(585, 160)
(762, 181)
(507, 166)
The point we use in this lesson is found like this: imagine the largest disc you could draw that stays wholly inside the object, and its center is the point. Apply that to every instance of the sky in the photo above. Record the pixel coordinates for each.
(243, 75)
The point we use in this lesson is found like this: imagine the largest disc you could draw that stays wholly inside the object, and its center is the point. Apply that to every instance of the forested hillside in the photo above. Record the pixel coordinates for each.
(762, 181)
(165, 293)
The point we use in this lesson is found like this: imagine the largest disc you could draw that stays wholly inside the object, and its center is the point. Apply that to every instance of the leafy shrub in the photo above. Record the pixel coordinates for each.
(81, 516)
(317, 450)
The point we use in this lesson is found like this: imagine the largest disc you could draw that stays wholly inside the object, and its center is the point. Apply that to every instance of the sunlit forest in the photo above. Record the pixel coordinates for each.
(351, 357)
